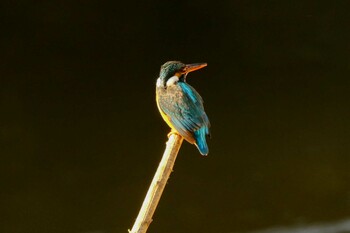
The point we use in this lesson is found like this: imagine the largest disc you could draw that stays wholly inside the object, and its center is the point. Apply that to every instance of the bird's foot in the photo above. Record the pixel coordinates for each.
(172, 132)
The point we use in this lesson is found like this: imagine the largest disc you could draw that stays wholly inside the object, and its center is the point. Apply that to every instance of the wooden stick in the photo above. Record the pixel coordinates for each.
(157, 186)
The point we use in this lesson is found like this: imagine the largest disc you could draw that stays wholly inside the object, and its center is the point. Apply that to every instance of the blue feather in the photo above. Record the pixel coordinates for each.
(194, 96)
(201, 143)
(184, 107)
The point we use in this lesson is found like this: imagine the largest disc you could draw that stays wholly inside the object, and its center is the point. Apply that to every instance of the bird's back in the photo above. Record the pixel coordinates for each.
(183, 107)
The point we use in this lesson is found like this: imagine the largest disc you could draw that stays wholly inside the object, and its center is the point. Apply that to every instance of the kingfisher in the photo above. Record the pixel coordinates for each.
(180, 104)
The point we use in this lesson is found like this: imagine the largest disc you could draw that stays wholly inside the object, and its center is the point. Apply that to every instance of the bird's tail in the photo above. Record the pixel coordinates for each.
(201, 143)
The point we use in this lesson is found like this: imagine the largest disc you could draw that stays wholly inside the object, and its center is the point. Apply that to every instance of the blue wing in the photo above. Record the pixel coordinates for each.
(184, 107)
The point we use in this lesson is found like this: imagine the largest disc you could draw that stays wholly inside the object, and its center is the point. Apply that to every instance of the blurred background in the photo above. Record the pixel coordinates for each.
(81, 136)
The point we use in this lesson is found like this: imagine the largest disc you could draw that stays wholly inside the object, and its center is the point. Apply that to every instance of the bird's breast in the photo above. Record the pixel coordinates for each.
(163, 96)
(173, 92)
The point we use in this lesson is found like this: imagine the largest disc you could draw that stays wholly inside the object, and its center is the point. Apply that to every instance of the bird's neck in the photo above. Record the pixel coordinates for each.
(161, 82)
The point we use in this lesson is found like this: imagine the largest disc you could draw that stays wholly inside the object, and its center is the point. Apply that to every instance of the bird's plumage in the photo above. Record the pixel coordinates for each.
(182, 107)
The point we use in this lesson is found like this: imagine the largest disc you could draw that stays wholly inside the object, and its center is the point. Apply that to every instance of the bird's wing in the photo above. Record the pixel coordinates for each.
(184, 107)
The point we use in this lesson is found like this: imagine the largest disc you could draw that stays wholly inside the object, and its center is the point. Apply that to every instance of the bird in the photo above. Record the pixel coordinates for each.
(180, 105)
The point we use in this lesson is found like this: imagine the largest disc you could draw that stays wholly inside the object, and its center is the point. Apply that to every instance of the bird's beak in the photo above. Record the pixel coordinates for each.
(192, 67)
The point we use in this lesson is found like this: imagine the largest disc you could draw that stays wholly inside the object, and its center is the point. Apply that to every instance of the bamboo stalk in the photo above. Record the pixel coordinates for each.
(157, 186)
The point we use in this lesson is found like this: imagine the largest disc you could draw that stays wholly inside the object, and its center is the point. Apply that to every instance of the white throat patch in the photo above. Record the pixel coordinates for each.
(171, 81)
(159, 82)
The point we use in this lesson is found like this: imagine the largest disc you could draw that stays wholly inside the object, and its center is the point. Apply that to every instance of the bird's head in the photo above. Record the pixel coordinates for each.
(174, 71)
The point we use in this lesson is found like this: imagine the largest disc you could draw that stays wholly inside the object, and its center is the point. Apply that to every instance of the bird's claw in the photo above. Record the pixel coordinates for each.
(172, 132)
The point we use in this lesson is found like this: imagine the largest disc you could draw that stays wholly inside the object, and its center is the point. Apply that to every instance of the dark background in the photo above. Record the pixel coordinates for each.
(81, 137)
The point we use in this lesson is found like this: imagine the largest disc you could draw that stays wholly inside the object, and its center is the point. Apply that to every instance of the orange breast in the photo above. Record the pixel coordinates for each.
(164, 116)
(167, 120)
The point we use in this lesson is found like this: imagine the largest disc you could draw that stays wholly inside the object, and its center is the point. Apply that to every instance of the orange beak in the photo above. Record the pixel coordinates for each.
(192, 67)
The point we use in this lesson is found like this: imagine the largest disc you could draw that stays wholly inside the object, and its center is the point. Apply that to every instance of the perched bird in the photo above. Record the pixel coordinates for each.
(180, 104)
